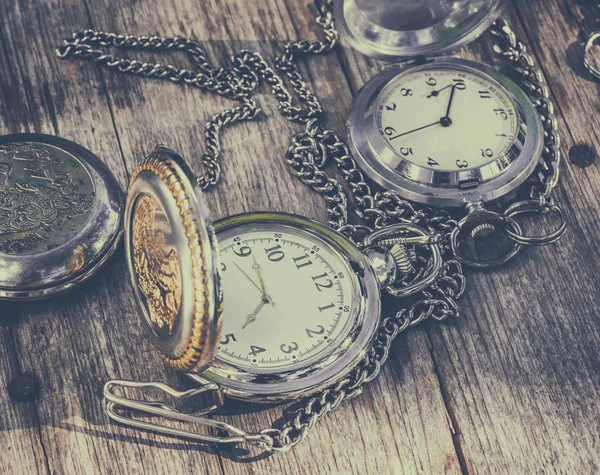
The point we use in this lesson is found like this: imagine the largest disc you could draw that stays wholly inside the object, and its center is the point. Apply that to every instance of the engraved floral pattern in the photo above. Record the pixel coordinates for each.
(39, 200)
(158, 272)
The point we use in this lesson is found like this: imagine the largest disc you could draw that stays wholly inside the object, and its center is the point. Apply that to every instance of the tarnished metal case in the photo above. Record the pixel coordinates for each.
(443, 188)
(60, 215)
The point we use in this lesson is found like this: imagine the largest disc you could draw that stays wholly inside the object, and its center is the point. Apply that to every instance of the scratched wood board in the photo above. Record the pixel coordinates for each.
(510, 386)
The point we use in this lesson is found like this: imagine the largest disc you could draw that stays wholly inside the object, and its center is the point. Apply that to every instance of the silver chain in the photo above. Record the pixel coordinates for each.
(532, 82)
(310, 150)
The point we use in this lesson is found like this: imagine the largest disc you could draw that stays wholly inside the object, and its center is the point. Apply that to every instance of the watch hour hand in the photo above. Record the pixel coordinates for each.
(252, 317)
(437, 92)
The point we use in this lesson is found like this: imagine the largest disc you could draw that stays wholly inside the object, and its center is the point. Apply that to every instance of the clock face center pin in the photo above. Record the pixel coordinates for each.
(445, 121)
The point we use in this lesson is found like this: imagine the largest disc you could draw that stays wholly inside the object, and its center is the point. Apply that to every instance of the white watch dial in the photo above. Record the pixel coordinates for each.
(288, 297)
(446, 119)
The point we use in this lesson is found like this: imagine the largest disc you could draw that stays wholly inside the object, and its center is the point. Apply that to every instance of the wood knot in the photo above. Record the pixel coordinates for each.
(582, 155)
(24, 388)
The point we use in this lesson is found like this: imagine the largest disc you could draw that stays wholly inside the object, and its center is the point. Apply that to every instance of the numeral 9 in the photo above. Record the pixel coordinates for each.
(243, 251)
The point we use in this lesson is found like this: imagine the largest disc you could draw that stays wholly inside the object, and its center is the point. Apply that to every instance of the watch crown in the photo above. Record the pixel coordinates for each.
(393, 256)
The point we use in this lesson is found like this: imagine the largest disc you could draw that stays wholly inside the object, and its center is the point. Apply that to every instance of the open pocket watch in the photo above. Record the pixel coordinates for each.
(448, 132)
(301, 309)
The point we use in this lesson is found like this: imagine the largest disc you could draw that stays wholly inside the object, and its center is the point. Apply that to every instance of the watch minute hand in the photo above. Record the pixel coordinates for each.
(256, 267)
(414, 130)
(248, 277)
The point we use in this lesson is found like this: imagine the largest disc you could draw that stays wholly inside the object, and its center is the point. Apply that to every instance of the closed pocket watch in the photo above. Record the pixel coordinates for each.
(61, 215)
(448, 132)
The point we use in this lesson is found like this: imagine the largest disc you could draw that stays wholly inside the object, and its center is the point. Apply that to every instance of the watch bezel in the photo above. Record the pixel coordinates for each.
(380, 42)
(443, 188)
(273, 385)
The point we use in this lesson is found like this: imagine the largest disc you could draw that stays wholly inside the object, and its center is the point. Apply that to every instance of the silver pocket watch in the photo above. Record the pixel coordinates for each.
(448, 132)
(301, 308)
(61, 215)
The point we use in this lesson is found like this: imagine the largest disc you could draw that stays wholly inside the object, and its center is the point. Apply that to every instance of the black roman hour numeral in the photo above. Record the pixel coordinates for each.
(302, 261)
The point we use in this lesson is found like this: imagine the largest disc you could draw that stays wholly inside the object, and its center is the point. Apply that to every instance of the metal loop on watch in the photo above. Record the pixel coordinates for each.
(479, 221)
(587, 61)
(397, 237)
(540, 207)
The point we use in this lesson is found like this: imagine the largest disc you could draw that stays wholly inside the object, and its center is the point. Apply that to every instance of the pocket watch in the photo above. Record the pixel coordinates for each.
(261, 307)
(60, 215)
(448, 132)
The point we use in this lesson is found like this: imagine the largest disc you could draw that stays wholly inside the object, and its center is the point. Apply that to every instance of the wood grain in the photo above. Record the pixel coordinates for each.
(509, 387)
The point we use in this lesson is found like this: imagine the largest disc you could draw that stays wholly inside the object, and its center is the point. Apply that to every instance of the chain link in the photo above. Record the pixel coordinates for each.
(310, 150)
(531, 80)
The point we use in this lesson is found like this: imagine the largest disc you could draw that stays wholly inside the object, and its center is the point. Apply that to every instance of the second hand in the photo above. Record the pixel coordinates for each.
(249, 278)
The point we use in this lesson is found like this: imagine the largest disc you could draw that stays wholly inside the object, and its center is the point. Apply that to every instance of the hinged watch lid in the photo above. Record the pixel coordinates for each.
(173, 261)
(398, 29)
(60, 215)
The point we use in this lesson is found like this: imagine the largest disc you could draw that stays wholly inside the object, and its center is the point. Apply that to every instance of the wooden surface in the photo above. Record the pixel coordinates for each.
(510, 387)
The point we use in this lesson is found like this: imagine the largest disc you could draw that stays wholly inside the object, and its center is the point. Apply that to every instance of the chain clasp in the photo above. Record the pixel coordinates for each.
(393, 256)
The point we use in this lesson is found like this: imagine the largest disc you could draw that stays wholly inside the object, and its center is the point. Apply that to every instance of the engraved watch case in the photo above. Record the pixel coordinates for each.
(60, 215)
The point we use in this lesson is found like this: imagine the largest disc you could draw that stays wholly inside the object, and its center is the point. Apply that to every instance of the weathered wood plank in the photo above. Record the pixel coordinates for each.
(72, 343)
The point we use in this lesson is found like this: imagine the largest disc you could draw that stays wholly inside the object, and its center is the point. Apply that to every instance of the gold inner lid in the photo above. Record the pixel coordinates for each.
(172, 261)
